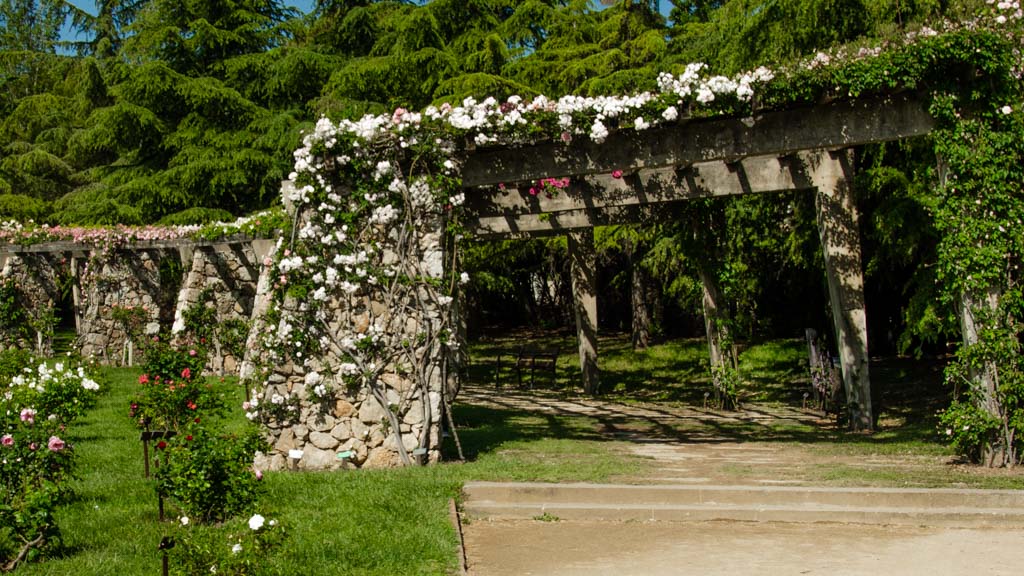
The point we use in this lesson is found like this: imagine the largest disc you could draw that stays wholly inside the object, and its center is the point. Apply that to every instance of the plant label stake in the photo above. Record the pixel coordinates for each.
(345, 457)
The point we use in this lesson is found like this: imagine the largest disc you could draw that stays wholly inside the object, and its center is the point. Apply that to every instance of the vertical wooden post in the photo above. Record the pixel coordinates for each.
(583, 269)
(832, 174)
(714, 316)
(76, 296)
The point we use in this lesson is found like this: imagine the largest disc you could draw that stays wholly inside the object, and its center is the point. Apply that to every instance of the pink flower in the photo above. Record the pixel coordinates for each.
(533, 191)
(28, 415)
(192, 352)
(144, 379)
(501, 185)
(566, 137)
(33, 446)
(259, 475)
(186, 373)
(55, 444)
(616, 173)
(7, 440)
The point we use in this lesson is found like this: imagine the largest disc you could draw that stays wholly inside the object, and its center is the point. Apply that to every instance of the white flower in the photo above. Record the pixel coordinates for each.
(256, 522)
(1006, 110)
(670, 114)
(183, 520)
(598, 131)
(238, 547)
(464, 278)
(641, 124)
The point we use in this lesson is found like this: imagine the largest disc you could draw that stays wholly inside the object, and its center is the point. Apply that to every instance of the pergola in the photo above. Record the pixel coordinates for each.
(794, 149)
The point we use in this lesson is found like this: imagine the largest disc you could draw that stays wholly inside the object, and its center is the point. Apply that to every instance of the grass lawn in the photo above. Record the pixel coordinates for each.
(396, 521)
(372, 522)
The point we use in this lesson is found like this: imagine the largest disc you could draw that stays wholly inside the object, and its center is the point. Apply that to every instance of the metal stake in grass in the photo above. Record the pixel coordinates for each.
(166, 543)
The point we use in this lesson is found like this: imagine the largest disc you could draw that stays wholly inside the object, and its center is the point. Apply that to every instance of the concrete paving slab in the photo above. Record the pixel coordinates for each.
(570, 548)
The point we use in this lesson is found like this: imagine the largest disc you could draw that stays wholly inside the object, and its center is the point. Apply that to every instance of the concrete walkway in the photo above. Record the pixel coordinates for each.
(588, 548)
(713, 503)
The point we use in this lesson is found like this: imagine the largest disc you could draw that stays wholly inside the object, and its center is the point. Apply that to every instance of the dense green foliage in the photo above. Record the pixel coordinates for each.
(188, 112)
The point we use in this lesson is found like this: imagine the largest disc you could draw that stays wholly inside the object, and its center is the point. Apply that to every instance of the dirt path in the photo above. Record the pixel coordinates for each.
(506, 548)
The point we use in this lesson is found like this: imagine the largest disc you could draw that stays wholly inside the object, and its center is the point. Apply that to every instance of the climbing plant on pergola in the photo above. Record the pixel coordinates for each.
(382, 204)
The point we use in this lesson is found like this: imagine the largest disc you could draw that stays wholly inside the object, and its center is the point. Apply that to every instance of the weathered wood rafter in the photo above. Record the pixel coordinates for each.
(601, 199)
(836, 125)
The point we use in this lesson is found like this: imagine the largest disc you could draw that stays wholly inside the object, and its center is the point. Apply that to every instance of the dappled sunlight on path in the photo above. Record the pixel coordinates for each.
(760, 444)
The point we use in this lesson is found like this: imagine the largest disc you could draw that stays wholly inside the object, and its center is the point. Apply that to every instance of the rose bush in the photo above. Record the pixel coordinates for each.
(210, 475)
(238, 547)
(172, 391)
(36, 459)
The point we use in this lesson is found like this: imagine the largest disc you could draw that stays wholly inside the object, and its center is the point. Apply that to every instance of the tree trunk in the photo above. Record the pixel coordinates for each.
(976, 310)
(638, 300)
(715, 318)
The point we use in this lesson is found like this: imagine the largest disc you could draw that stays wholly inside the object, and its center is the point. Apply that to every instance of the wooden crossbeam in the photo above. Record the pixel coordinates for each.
(83, 249)
(836, 125)
(598, 200)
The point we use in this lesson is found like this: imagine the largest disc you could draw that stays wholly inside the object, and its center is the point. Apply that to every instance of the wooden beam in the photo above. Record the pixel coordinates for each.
(82, 249)
(583, 269)
(832, 174)
(556, 223)
(701, 180)
(836, 125)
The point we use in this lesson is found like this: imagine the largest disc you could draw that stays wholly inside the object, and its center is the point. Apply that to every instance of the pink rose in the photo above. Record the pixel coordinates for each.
(28, 415)
(7, 440)
(616, 173)
(186, 373)
(55, 444)
(192, 352)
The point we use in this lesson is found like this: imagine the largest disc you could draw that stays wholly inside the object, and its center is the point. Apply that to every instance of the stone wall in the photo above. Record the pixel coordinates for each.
(351, 420)
(37, 277)
(352, 426)
(125, 278)
(223, 277)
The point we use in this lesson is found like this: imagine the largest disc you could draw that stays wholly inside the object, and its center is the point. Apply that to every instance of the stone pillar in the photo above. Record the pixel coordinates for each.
(832, 174)
(224, 277)
(123, 277)
(76, 295)
(583, 266)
